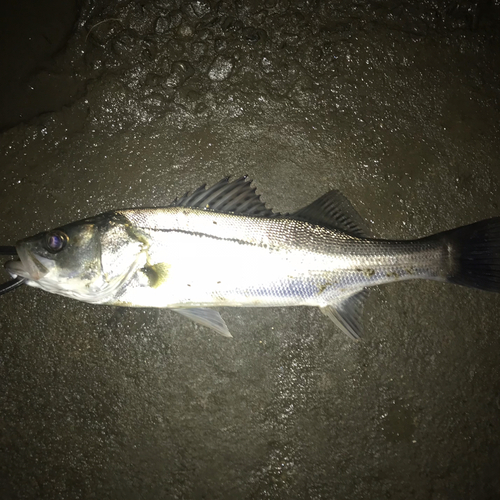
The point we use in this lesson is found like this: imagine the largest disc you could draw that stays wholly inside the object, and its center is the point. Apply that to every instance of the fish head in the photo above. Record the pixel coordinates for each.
(69, 260)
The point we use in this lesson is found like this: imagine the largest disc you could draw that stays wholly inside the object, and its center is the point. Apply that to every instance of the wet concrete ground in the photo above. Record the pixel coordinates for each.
(132, 104)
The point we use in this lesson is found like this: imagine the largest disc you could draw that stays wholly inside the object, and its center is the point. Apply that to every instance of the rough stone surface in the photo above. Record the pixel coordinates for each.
(397, 104)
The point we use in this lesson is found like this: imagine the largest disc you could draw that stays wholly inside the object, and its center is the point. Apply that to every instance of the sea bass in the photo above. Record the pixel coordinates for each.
(223, 247)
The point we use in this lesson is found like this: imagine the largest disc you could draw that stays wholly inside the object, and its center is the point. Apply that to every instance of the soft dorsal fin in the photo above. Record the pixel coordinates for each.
(347, 313)
(334, 211)
(237, 197)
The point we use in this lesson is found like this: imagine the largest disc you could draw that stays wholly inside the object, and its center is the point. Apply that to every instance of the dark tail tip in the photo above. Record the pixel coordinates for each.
(474, 252)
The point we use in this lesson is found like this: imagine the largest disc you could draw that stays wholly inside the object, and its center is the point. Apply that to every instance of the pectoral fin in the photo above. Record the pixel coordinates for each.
(206, 317)
(347, 314)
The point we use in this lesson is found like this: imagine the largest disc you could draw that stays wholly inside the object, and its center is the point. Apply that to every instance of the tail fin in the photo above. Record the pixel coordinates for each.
(474, 253)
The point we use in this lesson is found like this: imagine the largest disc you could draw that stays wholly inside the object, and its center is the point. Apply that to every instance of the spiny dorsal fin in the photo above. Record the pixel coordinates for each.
(347, 313)
(334, 211)
(237, 197)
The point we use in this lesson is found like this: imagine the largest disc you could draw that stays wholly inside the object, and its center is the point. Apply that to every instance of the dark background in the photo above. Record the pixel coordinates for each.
(107, 105)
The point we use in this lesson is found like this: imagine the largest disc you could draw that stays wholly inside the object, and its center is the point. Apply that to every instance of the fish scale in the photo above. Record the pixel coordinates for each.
(298, 263)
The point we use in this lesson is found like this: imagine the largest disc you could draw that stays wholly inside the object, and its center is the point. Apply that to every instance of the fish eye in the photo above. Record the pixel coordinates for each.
(55, 241)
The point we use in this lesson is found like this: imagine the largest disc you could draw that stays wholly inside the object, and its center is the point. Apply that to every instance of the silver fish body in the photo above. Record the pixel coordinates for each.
(222, 247)
(203, 259)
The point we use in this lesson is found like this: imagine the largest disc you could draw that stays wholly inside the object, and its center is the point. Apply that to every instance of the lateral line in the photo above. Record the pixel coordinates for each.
(196, 233)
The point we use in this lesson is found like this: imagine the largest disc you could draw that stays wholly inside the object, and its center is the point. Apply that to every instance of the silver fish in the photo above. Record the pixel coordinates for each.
(222, 247)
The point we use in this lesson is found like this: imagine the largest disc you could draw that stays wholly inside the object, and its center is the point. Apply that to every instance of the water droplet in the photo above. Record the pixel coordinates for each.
(180, 72)
(221, 69)
(200, 8)
(161, 25)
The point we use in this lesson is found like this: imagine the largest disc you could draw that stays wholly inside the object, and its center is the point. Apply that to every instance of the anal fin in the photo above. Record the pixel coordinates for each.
(347, 313)
(206, 317)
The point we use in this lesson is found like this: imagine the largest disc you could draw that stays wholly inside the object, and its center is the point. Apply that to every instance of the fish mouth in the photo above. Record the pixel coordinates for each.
(28, 266)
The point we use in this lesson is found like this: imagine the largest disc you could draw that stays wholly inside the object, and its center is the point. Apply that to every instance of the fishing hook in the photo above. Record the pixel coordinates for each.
(12, 284)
